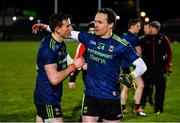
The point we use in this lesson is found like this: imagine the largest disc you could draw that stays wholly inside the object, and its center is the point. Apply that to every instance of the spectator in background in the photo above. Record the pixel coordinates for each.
(134, 26)
(52, 69)
(157, 54)
(146, 29)
(146, 36)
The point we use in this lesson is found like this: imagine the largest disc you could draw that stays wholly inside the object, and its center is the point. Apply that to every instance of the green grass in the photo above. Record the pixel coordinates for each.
(17, 80)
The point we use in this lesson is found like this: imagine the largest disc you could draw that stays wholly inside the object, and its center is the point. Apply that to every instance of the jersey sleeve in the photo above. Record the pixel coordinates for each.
(80, 50)
(130, 54)
(48, 56)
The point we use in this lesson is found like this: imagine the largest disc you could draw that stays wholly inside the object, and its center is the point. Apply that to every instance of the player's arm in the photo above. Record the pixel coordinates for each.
(80, 51)
(39, 27)
(55, 77)
(69, 60)
(138, 50)
(128, 79)
(140, 67)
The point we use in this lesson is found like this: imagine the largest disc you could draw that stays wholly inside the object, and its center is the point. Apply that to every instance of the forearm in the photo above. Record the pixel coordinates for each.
(74, 35)
(48, 28)
(69, 59)
(55, 77)
(80, 51)
(73, 76)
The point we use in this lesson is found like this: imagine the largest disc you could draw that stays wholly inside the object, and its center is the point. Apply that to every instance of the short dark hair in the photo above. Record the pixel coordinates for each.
(111, 15)
(133, 22)
(57, 19)
(91, 25)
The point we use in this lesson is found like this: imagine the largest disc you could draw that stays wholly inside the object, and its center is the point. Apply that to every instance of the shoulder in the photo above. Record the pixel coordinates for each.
(48, 42)
(141, 37)
(164, 37)
(120, 40)
(84, 36)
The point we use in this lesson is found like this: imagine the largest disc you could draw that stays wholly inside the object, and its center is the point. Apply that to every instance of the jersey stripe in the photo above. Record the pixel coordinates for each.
(52, 44)
(122, 41)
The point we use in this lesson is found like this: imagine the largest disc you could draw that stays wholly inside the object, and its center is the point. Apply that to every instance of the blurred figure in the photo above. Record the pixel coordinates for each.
(147, 34)
(157, 54)
(134, 26)
(147, 29)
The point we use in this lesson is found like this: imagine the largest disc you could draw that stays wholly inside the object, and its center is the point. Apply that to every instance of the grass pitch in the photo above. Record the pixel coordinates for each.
(17, 81)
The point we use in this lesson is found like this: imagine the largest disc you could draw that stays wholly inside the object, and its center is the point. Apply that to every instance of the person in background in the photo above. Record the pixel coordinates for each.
(134, 26)
(157, 54)
(52, 69)
(146, 36)
(81, 52)
(105, 53)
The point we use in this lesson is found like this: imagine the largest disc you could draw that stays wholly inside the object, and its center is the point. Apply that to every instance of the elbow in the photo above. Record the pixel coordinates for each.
(54, 81)
(144, 68)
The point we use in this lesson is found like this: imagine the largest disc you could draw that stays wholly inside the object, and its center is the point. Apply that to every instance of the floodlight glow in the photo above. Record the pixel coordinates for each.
(146, 19)
(14, 18)
(143, 14)
(31, 18)
(117, 17)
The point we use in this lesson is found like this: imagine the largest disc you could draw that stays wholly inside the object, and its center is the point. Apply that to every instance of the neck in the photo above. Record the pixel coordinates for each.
(108, 34)
(57, 37)
(132, 31)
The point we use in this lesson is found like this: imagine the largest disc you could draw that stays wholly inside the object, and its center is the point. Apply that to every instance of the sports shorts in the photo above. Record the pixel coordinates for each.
(48, 111)
(104, 108)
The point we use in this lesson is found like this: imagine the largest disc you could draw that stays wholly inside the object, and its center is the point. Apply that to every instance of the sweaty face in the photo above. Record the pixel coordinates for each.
(101, 25)
(66, 28)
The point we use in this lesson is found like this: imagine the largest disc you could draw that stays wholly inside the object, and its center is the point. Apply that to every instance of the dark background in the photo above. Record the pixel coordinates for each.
(83, 11)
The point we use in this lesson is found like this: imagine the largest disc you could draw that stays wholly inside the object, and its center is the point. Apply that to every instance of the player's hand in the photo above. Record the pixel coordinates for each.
(127, 80)
(79, 62)
(84, 67)
(72, 85)
(38, 27)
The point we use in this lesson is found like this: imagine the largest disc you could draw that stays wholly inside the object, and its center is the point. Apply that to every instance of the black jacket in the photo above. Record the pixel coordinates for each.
(156, 51)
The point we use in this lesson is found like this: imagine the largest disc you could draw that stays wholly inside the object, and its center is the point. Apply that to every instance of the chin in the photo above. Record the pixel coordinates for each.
(97, 33)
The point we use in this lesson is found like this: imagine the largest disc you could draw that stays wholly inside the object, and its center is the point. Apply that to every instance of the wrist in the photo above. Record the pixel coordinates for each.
(73, 66)
(47, 28)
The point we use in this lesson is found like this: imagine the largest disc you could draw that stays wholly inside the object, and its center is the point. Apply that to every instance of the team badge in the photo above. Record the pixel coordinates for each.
(85, 109)
(114, 93)
(111, 48)
(57, 111)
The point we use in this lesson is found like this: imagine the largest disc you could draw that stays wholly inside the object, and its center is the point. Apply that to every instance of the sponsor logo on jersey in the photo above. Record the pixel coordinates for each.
(92, 42)
(111, 48)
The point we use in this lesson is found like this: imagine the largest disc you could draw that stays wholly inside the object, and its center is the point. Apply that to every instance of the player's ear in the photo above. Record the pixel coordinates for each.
(111, 25)
(57, 30)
